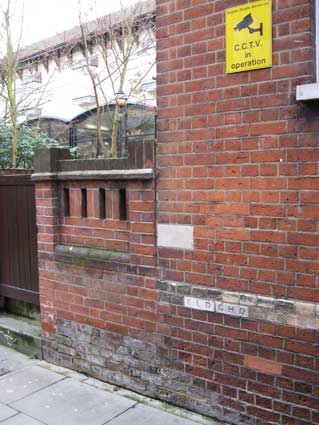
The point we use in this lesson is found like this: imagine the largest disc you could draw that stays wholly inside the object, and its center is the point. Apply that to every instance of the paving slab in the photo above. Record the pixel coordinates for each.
(11, 361)
(6, 412)
(21, 383)
(39, 393)
(72, 402)
(22, 334)
(145, 415)
(158, 405)
(21, 419)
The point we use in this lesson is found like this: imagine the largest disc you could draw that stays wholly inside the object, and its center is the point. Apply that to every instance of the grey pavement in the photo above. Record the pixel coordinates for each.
(33, 392)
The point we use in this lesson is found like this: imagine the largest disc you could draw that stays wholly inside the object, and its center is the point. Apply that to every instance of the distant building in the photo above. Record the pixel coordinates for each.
(55, 90)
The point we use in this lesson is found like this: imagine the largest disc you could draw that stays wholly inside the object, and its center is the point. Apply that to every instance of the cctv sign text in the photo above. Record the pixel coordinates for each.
(249, 37)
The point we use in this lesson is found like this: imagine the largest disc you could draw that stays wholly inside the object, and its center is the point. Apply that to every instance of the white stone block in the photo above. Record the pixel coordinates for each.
(231, 297)
(175, 236)
(231, 309)
(219, 307)
(305, 308)
(199, 304)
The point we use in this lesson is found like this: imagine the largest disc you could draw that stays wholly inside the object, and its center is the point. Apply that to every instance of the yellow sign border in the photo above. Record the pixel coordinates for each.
(234, 61)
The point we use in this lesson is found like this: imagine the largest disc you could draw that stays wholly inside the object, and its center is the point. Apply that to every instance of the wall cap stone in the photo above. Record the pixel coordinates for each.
(138, 174)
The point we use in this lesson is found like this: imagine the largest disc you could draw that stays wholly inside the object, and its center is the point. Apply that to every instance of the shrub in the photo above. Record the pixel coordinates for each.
(30, 139)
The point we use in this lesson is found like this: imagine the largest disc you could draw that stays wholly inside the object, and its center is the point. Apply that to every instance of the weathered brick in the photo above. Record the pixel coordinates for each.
(263, 365)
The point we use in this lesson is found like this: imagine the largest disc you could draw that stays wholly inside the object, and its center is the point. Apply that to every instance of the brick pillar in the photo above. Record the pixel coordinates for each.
(47, 215)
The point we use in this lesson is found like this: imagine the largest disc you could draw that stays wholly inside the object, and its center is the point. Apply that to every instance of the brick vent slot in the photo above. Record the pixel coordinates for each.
(84, 203)
(102, 206)
(66, 200)
(122, 204)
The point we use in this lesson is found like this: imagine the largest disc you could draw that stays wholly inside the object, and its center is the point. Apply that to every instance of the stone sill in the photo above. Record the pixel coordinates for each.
(307, 92)
(138, 174)
(92, 253)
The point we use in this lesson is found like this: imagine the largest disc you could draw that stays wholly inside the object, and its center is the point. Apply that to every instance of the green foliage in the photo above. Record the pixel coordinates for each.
(5, 145)
(30, 139)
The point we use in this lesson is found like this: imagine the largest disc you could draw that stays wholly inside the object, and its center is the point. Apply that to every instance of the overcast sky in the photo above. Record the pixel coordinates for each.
(43, 18)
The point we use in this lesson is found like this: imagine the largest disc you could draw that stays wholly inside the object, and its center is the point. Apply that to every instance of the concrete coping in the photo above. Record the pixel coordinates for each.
(92, 253)
(137, 174)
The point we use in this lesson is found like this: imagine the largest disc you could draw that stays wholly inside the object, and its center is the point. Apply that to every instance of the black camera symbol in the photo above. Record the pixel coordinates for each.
(246, 22)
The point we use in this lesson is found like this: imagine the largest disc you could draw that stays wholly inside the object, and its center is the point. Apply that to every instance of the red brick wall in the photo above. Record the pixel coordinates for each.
(238, 157)
(237, 161)
(61, 276)
(110, 233)
(135, 235)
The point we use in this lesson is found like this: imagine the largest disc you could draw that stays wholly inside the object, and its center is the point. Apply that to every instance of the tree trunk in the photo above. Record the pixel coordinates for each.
(14, 142)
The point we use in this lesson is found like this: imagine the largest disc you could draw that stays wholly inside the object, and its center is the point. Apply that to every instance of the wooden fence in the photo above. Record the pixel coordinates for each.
(18, 239)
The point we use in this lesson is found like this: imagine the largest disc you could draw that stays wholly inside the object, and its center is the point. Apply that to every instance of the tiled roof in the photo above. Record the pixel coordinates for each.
(73, 35)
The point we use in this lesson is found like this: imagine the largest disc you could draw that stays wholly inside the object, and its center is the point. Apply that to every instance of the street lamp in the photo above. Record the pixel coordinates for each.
(120, 98)
(121, 102)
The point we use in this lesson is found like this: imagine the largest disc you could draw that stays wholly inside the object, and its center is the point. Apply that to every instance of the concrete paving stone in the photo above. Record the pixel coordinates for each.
(11, 360)
(68, 373)
(3, 371)
(21, 334)
(21, 419)
(18, 385)
(18, 324)
(145, 415)
(6, 412)
(156, 404)
(72, 402)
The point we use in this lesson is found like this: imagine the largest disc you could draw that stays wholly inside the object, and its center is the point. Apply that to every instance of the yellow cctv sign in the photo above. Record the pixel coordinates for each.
(248, 37)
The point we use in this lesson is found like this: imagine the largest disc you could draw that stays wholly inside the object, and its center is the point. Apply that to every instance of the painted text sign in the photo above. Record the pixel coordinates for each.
(249, 37)
(216, 306)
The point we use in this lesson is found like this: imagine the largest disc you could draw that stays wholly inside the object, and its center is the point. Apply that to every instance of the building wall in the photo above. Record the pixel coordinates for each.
(238, 156)
(238, 165)
(59, 86)
(221, 315)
